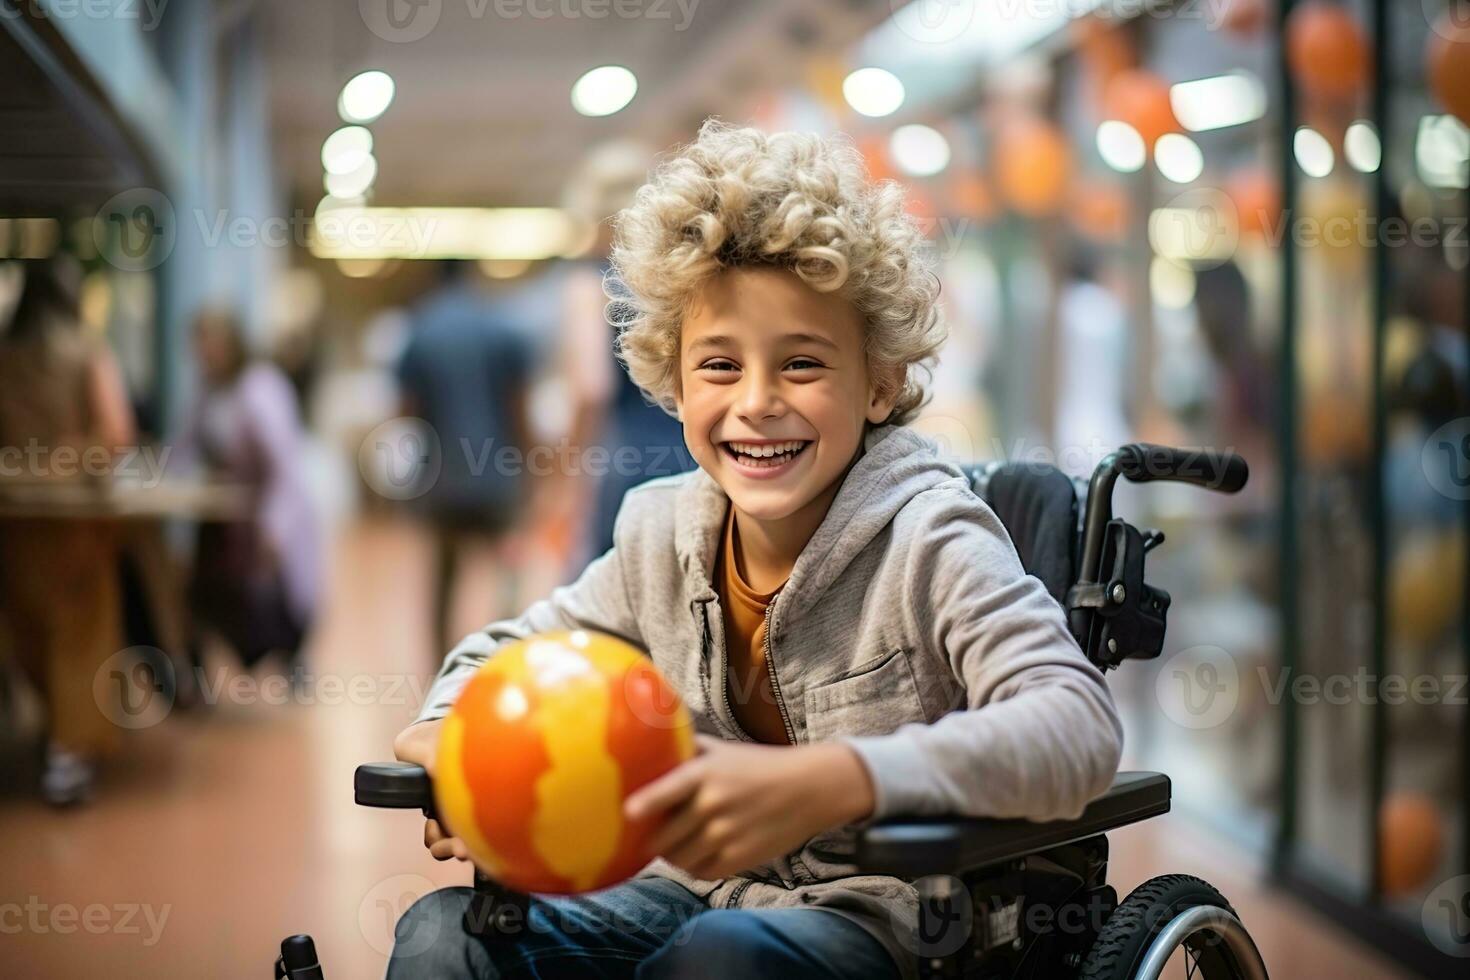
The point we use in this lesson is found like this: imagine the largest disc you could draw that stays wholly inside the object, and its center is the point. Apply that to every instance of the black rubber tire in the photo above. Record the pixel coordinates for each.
(1129, 931)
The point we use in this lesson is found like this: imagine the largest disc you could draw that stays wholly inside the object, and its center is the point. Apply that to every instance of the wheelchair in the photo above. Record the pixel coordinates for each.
(1011, 898)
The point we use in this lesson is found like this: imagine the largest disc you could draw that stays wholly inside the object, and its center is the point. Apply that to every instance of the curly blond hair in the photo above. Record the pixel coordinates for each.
(739, 197)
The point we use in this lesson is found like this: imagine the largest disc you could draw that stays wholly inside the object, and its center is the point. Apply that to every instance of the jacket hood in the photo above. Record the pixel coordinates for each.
(896, 464)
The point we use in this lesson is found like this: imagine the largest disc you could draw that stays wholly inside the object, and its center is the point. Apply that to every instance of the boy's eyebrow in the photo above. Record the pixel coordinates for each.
(724, 341)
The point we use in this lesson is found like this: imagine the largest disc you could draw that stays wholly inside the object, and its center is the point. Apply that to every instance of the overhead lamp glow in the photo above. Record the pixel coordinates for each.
(1179, 158)
(1218, 101)
(1121, 147)
(504, 268)
(366, 97)
(346, 149)
(330, 201)
(873, 92)
(362, 268)
(1171, 284)
(1202, 228)
(1361, 147)
(1313, 153)
(919, 151)
(528, 234)
(354, 182)
(603, 91)
(1442, 152)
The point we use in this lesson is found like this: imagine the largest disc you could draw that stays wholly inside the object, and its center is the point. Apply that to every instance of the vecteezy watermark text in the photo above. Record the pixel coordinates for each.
(1201, 687)
(63, 918)
(145, 464)
(148, 13)
(404, 21)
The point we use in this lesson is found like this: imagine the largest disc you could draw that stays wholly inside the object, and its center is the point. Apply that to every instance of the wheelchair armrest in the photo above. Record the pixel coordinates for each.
(924, 846)
(393, 785)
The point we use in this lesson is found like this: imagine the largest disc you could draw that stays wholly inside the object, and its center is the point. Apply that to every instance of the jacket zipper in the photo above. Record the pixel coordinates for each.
(771, 669)
(709, 679)
(737, 892)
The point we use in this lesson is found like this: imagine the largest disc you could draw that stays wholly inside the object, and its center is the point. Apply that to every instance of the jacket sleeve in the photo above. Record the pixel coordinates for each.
(597, 600)
(1038, 736)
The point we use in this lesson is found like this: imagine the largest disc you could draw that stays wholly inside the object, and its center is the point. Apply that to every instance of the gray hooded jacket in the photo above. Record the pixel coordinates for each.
(907, 629)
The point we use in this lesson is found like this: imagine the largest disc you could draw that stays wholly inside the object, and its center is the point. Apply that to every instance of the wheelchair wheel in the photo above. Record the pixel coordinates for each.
(1173, 919)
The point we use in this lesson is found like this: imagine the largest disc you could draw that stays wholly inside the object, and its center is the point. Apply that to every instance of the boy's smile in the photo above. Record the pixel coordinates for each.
(764, 459)
(775, 395)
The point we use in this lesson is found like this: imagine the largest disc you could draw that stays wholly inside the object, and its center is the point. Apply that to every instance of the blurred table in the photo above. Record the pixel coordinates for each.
(138, 512)
(122, 500)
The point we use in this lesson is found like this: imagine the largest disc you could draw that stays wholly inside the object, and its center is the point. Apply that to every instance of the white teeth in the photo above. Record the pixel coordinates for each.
(773, 449)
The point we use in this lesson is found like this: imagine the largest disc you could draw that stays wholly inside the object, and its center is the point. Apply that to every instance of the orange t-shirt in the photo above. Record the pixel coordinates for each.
(746, 674)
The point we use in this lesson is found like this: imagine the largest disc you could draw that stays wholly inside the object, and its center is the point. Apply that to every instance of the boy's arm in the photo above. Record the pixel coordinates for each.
(1041, 737)
(597, 600)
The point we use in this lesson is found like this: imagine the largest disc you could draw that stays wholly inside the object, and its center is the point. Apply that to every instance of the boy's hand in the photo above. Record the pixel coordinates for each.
(735, 805)
(417, 744)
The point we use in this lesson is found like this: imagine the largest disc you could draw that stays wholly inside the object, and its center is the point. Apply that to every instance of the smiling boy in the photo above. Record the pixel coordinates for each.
(847, 622)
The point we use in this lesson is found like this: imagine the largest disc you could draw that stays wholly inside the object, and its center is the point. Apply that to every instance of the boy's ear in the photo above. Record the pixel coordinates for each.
(882, 394)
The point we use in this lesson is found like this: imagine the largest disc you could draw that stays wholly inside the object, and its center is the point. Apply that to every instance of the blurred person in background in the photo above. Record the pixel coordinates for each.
(1245, 405)
(641, 440)
(61, 393)
(1094, 350)
(465, 372)
(1426, 391)
(256, 582)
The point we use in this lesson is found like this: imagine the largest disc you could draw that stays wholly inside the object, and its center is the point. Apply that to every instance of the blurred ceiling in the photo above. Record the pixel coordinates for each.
(482, 114)
(62, 144)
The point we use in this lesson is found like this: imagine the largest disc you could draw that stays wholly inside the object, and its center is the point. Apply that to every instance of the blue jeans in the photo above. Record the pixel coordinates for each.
(646, 928)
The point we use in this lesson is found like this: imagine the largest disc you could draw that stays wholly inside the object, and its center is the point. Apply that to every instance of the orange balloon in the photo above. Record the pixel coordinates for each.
(1257, 201)
(1100, 210)
(1105, 50)
(1411, 842)
(971, 197)
(1245, 18)
(1327, 50)
(1141, 99)
(1033, 166)
(1448, 58)
(540, 751)
(824, 77)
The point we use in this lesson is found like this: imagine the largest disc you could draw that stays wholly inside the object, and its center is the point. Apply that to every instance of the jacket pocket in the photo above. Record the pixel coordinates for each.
(872, 699)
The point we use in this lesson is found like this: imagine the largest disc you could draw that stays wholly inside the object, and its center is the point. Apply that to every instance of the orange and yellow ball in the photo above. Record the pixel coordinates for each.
(539, 752)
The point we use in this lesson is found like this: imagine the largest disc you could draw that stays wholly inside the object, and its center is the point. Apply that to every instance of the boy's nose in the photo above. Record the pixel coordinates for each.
(759, 398)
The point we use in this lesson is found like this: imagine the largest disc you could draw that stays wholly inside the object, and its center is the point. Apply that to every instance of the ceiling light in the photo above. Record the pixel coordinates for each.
(354, 182)
(603, 91)
(1178, 158)
(346, 149)
(1121, 147)
(873, 92)
(1313, 153)
(919, 151)
(365, 97)
(1218, 101)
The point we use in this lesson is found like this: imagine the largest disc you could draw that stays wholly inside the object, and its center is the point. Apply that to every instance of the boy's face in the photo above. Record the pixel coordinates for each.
(767, 363)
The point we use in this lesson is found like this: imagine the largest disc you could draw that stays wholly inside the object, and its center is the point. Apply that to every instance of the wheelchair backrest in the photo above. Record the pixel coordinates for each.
(1037, 503)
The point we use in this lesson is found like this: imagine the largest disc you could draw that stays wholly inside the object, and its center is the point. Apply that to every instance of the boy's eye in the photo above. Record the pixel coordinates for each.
(796, 364)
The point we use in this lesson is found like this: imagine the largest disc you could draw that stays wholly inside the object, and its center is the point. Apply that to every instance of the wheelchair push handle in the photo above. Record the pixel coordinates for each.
(394, 786)
(298, 960)
(1144, 462)
(494, 910)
